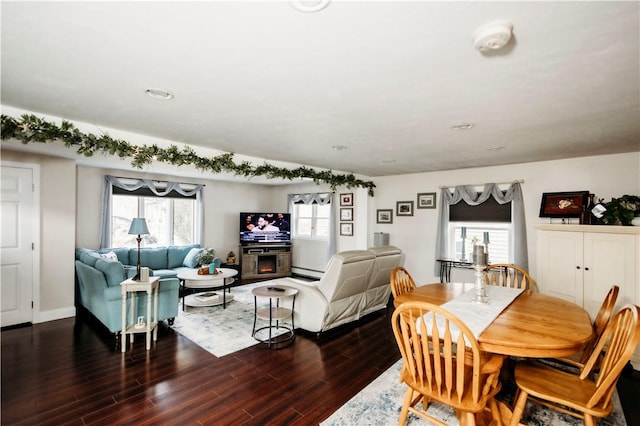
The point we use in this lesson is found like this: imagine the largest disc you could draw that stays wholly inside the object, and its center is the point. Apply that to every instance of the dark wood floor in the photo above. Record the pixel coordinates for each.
(67, 372)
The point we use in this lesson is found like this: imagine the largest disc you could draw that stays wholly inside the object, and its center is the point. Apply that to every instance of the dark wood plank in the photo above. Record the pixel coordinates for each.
(70, 372)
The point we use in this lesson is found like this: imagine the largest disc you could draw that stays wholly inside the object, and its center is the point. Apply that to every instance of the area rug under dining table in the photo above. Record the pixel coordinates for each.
(380, 402)
(221, 331)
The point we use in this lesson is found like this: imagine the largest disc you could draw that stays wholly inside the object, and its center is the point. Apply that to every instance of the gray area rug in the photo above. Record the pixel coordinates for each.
(380, 403)
(221, 331)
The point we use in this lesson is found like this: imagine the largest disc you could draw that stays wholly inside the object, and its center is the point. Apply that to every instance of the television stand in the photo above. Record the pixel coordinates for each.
(265, 261)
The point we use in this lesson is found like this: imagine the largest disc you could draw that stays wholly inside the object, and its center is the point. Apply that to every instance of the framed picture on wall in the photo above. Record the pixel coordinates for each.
(404, 208)
(346, 214)
(427, 200)
(384, 216)
(563, 204)
(346, 229)
(346, 199)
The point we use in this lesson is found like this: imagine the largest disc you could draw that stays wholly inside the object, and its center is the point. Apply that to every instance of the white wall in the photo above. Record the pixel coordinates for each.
(312, 255)
(606, 176)
(70, 203)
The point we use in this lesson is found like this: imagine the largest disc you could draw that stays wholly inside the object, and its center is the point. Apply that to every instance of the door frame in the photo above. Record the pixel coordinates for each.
(35, 222)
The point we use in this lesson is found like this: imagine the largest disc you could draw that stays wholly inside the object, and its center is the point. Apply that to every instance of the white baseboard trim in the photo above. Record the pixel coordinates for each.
(55, 314)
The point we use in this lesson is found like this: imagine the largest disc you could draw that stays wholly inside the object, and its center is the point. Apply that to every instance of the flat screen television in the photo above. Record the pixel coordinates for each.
(265, 228)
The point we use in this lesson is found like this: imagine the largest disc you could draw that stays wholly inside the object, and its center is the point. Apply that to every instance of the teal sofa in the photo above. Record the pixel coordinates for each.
(100, 272)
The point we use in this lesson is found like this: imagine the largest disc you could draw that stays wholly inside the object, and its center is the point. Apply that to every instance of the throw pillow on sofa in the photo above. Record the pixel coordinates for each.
(191, 259)
(109, 256)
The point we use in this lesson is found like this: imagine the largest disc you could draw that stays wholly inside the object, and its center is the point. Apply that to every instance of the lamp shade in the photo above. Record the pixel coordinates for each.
(138, 226)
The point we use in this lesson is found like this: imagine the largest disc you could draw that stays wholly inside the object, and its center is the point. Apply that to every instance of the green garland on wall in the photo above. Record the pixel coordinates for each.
(29, 128)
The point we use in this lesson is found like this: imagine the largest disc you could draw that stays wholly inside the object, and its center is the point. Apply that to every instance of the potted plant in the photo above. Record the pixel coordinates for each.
(622, 210)
(206, 256)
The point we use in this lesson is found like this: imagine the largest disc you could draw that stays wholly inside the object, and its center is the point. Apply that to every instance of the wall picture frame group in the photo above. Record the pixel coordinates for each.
(384, 216)
(346, 214)
(346, 229)
(563, 204)
(346, 200)
(404, 208)
(426, 200)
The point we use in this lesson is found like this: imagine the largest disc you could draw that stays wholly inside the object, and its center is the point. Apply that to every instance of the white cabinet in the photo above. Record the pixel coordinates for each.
(580, 263)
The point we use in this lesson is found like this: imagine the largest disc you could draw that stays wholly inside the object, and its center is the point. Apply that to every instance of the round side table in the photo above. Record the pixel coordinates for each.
(275, 313)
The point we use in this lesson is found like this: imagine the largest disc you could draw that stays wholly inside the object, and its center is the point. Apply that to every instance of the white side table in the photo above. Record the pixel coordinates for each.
(129, 324)
(275, 314)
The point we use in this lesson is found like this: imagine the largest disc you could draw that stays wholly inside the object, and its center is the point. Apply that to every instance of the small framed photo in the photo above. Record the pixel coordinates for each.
(346, 199)
(404, 208)
(346, 229)
(563, 204)
(384, 216)
(427, 200)
(346, 214)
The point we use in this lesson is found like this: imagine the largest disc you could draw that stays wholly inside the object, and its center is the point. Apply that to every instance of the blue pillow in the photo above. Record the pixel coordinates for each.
(190, 259)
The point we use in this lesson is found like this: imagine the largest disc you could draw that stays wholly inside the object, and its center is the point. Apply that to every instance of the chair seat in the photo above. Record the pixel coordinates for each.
(561, 387)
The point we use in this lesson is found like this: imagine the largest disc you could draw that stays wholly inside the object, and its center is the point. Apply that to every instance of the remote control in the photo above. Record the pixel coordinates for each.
(275, 288)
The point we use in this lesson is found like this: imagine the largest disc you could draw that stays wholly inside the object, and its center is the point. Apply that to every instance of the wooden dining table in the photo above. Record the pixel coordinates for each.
(534, 325)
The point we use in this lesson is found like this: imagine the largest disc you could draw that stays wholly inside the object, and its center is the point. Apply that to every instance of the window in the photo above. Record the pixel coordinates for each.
(499, 236)
(171, 221)
(489, 221)
(173, 211)
(509, 218)
(311, 221)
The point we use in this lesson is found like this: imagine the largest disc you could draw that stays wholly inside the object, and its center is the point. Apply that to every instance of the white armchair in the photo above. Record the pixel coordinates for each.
(352, 286)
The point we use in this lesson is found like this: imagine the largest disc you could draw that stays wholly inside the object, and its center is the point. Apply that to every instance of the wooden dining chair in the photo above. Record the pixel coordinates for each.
(442, 362)
(508, 275)
(581, 395)
(401, 281)
(599, 325)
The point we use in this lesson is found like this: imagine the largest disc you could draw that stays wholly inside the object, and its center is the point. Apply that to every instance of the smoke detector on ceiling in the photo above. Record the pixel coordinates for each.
(492, 36)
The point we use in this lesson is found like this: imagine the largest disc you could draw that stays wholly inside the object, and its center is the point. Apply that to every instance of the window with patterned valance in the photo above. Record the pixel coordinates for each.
(174, 211)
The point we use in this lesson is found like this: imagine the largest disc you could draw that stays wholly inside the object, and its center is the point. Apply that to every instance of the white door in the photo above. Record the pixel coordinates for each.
(16, 285)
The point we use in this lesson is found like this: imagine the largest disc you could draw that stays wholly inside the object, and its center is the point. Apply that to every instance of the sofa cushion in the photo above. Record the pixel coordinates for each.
(122, 253)
(113, 271)
(191, 259)
(89, 257)
(80, 251)
(151, 257)
(177, 254)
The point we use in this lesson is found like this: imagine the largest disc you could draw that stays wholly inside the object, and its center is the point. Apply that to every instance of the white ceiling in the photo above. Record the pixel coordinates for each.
(385, 79)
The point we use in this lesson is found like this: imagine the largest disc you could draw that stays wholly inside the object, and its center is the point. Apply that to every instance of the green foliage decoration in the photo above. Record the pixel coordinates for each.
(622, 210)
(30, 128)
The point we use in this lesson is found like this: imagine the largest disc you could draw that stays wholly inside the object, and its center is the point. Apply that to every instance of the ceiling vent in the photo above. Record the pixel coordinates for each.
(492, 36)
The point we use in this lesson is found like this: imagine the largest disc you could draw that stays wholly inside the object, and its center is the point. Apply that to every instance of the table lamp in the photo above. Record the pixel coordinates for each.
(139, 227)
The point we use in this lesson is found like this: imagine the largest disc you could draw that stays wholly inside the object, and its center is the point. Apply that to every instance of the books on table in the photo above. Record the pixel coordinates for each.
(209, 296)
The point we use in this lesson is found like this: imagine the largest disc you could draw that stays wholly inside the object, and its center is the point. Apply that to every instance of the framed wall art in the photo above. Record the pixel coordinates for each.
(563, 204)
(427, 200)
(346, 214)
(384, 216)
(404, 208)
(346, 199)
(346, 229)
